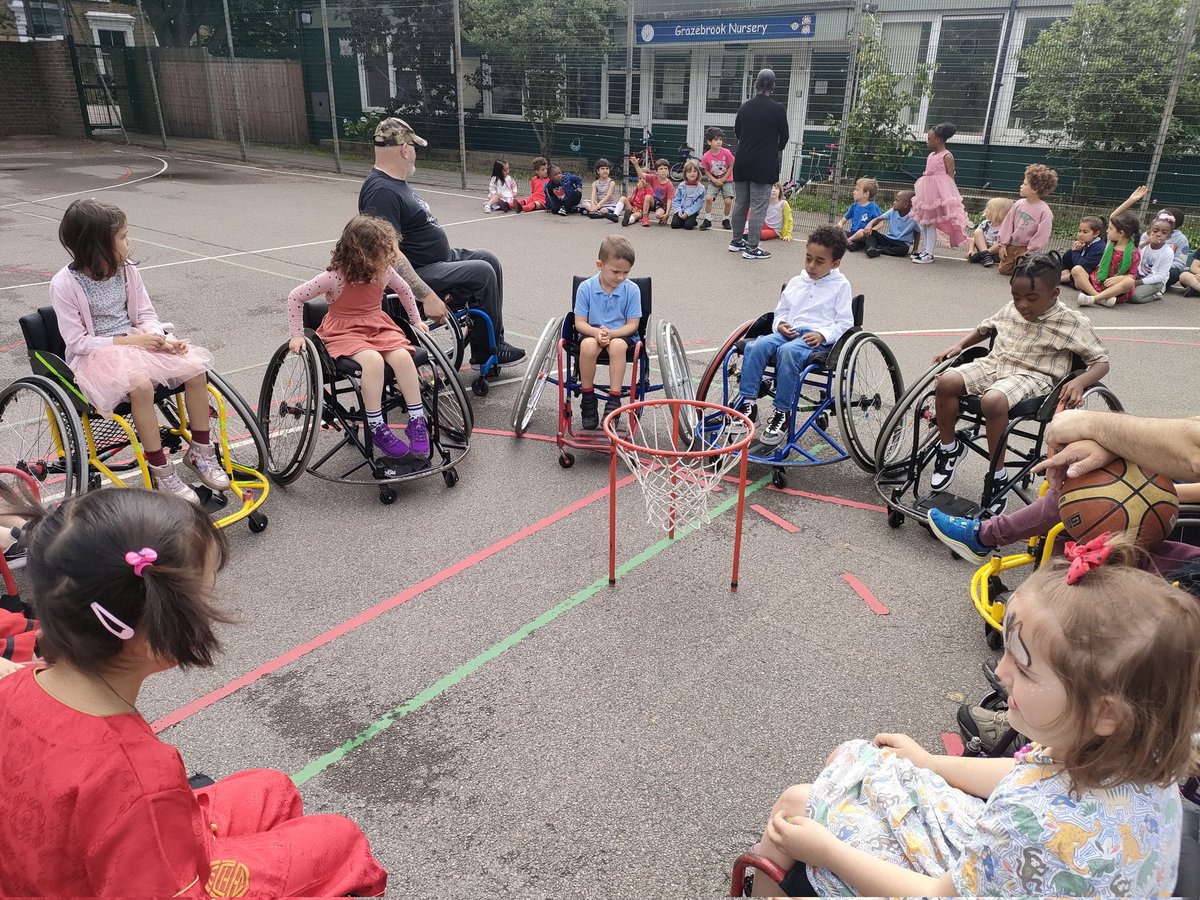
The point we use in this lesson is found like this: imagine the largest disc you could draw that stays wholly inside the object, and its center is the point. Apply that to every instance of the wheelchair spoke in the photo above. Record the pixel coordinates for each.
(289, 412)
(38, 438)
(868, 388)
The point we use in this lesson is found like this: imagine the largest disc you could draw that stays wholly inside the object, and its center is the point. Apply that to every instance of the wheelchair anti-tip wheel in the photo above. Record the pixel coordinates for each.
(289, 410)
(41, 435)
(541, 367)
(867, 388)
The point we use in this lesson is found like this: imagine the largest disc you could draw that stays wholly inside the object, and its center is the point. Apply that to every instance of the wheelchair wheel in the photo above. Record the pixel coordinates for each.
(450, 339)
(289, 410)
(41, 435)
(867, 389)
(541, 365)
(442, 391)
(711, 379)
(247, 446)
(895, 442)
(1098, 397)
(673, 364)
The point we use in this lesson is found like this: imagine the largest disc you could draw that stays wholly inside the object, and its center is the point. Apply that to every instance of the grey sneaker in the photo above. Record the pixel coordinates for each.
(202, 459)
(755, 253)
(737, 245)
(165, 478)
(986, 726)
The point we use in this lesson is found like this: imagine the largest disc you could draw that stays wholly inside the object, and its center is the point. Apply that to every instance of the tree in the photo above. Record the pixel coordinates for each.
(1097, 84)
(532, 44)
(262, 27)
(878, 138)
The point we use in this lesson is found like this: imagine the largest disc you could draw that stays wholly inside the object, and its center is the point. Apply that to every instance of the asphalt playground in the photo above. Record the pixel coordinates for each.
(454, 671)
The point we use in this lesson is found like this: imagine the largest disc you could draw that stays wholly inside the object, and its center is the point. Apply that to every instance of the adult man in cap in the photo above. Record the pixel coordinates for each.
(437, 269)
(762, 132)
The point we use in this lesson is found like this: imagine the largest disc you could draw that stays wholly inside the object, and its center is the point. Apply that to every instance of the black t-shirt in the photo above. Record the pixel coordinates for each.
(421, 237)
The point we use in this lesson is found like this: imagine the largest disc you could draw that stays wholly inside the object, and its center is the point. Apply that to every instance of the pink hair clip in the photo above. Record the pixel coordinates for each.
(1085, 557)
(1166, 216)
(141, 559)
(111, 623)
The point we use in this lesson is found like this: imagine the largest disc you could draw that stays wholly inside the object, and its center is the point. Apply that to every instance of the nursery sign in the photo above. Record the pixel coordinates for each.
(727, 28)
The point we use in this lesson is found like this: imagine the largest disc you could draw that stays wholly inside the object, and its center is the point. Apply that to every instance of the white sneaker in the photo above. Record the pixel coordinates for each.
(1110, 302)
(165, 478)
(1085, 299)
(922, 259)
(487, 208)
(202, 459)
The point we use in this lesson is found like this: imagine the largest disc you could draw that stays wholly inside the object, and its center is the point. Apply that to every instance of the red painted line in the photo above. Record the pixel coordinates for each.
(374, 612)
(824, 498)
(1152, 341)
(771, 517)
(532, 437)
(128, 174)
(12, 346)
(953, 744)
(863, 591)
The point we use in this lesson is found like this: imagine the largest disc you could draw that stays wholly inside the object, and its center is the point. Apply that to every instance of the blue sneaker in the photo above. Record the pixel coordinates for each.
(959, 534)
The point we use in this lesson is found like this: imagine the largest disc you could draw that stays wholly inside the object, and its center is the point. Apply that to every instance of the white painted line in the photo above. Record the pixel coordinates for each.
(95, 190)
(933, 332)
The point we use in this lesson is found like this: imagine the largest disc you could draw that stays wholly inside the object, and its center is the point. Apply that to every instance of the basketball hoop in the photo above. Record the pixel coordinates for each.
(679, 451)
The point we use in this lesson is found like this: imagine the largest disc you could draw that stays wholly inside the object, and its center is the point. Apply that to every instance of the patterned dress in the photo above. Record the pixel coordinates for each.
(1031, 837)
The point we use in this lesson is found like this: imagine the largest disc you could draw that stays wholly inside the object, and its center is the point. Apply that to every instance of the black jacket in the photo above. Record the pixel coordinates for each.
(762, 132)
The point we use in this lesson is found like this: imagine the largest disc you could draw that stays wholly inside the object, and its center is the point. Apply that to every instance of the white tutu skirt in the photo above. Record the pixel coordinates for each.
(107, 375)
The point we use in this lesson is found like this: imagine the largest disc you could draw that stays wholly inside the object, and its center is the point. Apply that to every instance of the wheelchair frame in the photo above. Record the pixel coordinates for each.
(458, 326)
(833, 375)
(319, 407)
(912, 427)
(80, 426)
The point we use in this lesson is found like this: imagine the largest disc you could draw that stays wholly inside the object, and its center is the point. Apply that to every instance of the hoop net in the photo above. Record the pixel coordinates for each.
(678, 451)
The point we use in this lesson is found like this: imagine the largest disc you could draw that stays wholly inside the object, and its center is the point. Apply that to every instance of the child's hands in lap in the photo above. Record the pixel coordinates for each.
(800, 838)
(813, 338)
(905, 748)
(603, 338)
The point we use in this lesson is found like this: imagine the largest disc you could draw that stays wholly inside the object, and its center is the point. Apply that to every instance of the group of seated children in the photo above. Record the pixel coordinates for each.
(550, 188)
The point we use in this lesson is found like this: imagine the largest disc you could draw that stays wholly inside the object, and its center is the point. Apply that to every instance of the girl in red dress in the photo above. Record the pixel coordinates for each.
(356, 326)
(93, 803)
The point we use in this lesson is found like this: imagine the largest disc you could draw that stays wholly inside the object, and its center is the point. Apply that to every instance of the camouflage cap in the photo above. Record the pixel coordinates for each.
(393, 132)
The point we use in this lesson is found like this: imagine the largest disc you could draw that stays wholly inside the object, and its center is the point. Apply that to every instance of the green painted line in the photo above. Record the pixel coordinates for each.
(446, 682)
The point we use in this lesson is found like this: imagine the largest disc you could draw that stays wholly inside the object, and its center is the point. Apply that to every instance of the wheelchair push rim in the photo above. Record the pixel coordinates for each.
(538, 373)
(676, 372)
(290, 417)
(41, 436)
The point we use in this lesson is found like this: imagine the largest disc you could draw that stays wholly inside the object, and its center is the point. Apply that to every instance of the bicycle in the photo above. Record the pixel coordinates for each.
(682, 155)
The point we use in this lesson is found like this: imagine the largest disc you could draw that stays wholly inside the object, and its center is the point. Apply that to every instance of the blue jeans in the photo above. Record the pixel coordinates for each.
(791, 356)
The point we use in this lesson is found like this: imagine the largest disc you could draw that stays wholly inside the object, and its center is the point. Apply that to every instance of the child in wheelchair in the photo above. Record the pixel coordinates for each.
(814, 311)
(356, 326)
(608, 310)
(1036, 336)
(123, 584)
(1102, 667)
(118, 348)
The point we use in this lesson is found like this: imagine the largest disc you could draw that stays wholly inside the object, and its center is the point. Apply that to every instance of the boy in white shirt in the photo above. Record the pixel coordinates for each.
(813, 312)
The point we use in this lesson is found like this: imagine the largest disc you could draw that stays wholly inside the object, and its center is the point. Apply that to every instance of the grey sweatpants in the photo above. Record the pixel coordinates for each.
(752, 197)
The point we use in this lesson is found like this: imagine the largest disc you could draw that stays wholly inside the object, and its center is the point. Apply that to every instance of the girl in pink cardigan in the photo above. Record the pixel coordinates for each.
(118, 349)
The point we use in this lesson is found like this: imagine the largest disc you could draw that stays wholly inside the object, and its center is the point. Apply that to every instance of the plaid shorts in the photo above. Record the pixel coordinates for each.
(979, 377)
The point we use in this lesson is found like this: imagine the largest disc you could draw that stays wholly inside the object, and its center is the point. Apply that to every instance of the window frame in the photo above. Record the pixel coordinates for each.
(605, 118)
(1005, 133)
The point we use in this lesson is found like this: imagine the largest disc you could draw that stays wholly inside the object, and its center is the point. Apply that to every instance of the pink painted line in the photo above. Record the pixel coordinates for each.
(771, 517)
(128, 174)
(528, 435)
(863, 591)
(953, 744)
(12, 346)
(824, 498)
(374, 612)
(1152, 341)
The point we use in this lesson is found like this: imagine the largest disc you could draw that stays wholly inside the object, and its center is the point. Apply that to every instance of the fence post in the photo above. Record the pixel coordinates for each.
(1185, 46)
(162, 128)
(629, 39)
(237, 88)
(847, 103)
(337, 150)
(458, 90)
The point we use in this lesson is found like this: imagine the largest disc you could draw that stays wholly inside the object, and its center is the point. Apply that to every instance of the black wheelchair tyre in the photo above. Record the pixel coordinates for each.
(867, 389)
(249, 451)
(290, 423)
(41, 435)
(537, 371)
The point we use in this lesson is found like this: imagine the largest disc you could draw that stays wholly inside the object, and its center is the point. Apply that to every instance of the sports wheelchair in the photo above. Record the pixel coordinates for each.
(453, 336)
(908, 441)
(309, 393)
(555, 361)
(858, 380)
(49, 430)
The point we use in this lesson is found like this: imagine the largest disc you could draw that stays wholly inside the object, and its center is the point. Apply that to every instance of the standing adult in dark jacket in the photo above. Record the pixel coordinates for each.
(762, 132)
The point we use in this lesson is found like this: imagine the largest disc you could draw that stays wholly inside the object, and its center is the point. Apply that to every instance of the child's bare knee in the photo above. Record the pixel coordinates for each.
(994, 404)
(950, 384)
(793, 801)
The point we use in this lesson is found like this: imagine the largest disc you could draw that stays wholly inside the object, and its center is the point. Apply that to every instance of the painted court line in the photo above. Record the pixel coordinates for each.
(865, 593)
(771, 517)
(824, 498)
(446, 682)
(123, 183)
(374, 612)
(526, 436)
(952, 743)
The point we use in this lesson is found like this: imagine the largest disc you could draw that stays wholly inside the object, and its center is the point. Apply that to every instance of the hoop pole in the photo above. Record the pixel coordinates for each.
(737, 534)
(674, 446)
(612, 516)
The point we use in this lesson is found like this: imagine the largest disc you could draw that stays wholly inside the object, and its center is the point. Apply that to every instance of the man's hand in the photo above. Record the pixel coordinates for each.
(435, 308)
(813, 338)
(800, 838)
(906, 748)
(1075, 459)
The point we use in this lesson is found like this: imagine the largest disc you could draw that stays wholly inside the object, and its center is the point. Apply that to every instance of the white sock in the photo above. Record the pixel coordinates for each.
(708, 217)
(415, 410)
(1001, 475)
(374, 417)
(953, 445)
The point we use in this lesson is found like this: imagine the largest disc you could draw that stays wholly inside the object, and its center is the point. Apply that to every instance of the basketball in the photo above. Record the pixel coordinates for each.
(1119, 499)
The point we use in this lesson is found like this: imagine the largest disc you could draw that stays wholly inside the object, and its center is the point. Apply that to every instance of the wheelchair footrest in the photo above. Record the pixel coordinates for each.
(386, 467)
(951, 504)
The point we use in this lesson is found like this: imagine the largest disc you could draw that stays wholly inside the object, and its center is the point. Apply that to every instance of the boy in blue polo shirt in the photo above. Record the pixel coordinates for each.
(608, 309)
(900, 228)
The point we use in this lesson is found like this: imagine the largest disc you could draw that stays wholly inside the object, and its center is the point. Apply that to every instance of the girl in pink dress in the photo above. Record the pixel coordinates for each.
(118, 349)
(356, 326)
(938, 206)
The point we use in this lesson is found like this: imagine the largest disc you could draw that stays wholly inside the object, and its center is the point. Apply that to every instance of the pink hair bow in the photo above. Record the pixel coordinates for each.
(141, 559)
(1085, 557)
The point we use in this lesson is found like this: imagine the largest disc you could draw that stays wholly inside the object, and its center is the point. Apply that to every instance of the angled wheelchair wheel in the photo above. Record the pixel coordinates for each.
(443, 394)
(450, 339)
(673, 364)
(1100, 398)
(895, 442)
(289, 410)
(244, 437)
(710, 386)
(867, 387)
(41, 435)
(542, 364)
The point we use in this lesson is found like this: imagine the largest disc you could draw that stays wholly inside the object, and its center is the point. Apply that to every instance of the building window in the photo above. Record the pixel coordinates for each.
(672, 86)
(42, 19)
(378, 81)
(1034, 26)
(826, 88)
(616, 92)
(726, 82)
(966, 69)
(583, 90)
(906, 46)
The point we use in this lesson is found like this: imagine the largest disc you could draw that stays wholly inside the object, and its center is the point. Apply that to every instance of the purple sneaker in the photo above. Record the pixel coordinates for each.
(418, 436)
(387, 444)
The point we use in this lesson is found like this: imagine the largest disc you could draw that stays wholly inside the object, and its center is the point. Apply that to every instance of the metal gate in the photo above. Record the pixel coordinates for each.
(102, 77)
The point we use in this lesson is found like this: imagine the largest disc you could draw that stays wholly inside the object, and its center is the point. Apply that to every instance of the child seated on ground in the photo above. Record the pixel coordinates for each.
(662, 191)
(1102, 668)
(1035, 337)
(502, 190)
(603, 202)
(1026, 228)
(1114, 279)
(629, 209)
(689, 198)
(863, 209)
(564, 190)
(814, 311)
(1178, 242)
(717, 163)
(537, 187)
(1153, 269)
(1087, 249)
(123, 584)
(1191, 279)
(778, 221)
(985, 239)
(900, 230)
(608, 310)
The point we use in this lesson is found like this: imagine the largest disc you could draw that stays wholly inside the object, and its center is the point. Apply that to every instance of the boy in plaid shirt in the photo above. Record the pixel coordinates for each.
(1036, 336)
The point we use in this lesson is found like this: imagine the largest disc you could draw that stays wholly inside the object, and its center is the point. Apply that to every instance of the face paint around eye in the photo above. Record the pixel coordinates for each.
(1012, 640)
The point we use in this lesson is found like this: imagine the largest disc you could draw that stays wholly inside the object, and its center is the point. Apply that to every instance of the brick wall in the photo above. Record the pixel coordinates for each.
(39, 90)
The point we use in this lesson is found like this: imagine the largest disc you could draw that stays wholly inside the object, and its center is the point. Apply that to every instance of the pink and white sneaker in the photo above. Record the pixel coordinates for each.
(166, 479)
(202, 459)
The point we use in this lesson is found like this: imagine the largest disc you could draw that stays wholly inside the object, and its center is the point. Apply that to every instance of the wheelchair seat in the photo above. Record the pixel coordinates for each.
(763, 325)
(314, 314)
(573, 338)
(1034, 407)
